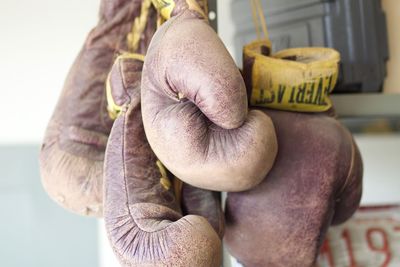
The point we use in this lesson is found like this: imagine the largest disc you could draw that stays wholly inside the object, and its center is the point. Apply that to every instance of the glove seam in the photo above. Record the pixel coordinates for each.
(126, 185)
(351, 168)
(159, 56)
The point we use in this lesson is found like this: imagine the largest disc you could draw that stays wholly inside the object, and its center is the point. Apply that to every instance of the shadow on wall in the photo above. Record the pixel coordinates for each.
(34, 231)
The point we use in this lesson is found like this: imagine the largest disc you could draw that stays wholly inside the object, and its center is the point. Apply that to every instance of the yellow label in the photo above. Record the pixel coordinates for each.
(165, 7)
(294, 79)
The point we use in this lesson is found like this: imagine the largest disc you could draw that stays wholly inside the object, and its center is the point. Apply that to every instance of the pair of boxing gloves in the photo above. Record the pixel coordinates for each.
(90, 167)
(187, 102)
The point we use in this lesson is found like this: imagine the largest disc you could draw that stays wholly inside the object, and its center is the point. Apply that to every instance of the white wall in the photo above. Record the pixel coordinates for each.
(381, 157)
(107, 256)
(39, 40)
(35, 231)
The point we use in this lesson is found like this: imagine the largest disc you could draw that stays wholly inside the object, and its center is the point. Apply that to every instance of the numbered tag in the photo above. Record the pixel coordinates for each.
(370, 239)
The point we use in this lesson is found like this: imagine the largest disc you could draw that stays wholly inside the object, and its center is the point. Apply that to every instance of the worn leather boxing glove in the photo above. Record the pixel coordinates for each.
(315, 182)
(195, 110)
(143, 218)
(72, 155)
(203, 203)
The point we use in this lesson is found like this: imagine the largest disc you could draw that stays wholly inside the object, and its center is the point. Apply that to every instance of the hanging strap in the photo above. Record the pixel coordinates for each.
(259, 19)
(138, 27)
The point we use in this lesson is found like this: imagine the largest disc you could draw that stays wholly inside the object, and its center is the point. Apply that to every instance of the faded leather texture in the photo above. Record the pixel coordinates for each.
(72, 155)
(183, 5)
(204, 203)
(316, 181)
(195, 110)
(144, 222)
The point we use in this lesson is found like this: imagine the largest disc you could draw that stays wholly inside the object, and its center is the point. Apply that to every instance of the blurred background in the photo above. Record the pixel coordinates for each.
(40, 39)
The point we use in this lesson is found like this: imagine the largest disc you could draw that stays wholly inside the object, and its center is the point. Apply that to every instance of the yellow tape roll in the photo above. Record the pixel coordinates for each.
(298, 79)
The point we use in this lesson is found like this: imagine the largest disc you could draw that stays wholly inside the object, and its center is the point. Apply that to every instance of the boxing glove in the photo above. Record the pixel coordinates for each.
(204, 203)
(72, 154)
(195, 110)
(143, 218)
(316, 181)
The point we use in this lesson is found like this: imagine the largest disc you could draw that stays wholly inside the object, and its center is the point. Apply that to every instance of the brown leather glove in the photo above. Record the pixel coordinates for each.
(143, 218)
(316, 181)
(195, 109)
(204, 203)
(72, 154)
